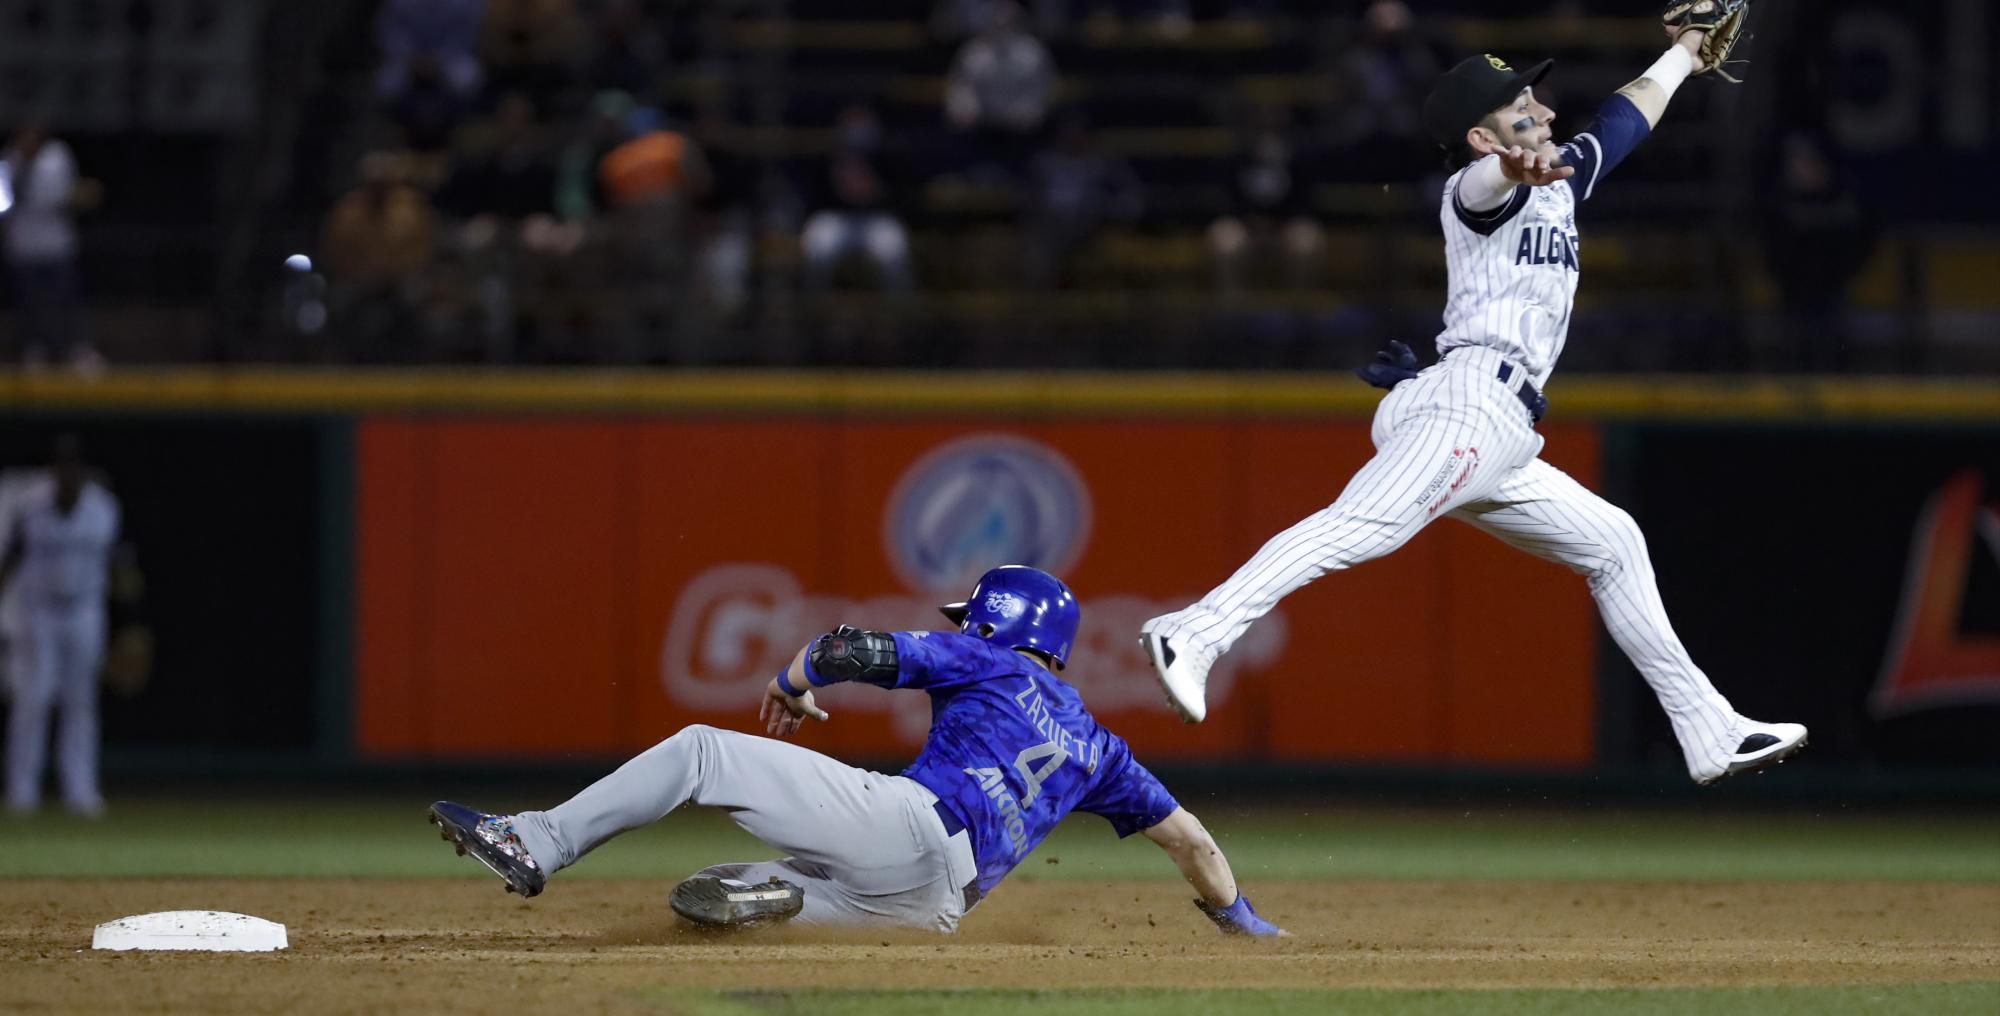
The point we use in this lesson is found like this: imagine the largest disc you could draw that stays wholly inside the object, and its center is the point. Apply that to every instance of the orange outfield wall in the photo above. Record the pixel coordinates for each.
(572, 586)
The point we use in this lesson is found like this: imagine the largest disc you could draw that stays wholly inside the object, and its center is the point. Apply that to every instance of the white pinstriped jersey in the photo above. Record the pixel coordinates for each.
(1513, 270)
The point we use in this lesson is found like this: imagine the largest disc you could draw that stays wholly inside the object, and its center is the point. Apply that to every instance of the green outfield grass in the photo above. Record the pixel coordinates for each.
(1878, 1000)
(382, 838)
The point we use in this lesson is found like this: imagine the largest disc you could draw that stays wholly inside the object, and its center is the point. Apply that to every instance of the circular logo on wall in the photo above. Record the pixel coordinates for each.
(980, 502)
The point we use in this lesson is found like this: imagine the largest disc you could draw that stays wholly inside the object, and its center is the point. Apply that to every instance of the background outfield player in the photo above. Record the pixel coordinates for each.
(59, 548)
(1458, 438)
(1011, 751)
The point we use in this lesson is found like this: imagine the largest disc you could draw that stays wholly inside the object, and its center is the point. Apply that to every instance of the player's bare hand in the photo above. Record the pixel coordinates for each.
(1691, 40)
(1534, 168)
(783, 714)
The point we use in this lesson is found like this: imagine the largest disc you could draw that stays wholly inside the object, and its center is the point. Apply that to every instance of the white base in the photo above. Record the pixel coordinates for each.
(204, 930)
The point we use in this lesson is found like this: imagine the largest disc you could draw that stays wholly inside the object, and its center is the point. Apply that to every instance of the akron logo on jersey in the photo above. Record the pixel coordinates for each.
(983, 501)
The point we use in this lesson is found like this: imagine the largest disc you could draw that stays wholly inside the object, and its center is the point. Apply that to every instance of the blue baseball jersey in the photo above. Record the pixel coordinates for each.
(1012, 750)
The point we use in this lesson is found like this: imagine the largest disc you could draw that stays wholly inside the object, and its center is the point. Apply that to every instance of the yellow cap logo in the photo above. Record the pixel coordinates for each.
(1498, 64)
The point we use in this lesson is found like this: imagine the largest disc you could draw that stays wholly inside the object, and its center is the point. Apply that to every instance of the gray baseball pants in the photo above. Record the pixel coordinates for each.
(867, 848)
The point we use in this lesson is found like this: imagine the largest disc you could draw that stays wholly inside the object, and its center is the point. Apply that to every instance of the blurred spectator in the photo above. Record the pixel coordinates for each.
(853, 215)
(655, 165)
(381, 232)
(530, 45)
(59, 539)
(445, 32)
(1380, 80)
(503, 188)
(577, 181)
(999, 90)
(1817, 238)
(1270, 223)
(376, 242)
(508, 172)
(628, 51)
(427, 110)
(650, 184)
(729, 216)
(39, 195)
(1075, 189)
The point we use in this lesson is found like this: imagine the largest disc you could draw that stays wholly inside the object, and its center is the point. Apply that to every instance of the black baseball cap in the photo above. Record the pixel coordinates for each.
(1477, 86)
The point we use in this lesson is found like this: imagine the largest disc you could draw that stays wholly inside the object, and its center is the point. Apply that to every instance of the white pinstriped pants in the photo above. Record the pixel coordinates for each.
(1457, 441)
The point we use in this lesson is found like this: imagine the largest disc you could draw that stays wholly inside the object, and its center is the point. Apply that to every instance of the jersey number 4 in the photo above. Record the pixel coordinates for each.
(1050, 755)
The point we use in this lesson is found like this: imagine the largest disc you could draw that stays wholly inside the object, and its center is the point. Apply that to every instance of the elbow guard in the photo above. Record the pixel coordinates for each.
(850, 654)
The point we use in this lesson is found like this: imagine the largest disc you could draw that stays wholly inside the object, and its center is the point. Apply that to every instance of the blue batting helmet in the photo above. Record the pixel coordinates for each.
(1021, 608)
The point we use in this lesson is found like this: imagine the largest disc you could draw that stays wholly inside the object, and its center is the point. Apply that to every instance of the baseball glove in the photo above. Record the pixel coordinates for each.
(1722, 22)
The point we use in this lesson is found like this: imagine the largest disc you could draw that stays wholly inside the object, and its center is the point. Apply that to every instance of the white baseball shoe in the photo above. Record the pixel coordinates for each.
(1760, 746)
(1182, 668)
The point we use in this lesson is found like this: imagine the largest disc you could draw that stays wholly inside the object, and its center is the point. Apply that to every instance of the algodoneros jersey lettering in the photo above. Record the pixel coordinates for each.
(1513, 282)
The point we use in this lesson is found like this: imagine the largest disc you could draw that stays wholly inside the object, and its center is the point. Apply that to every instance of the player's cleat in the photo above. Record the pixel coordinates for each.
(718, 902)
(1182, 671)
(490, 839)
(1240, 918)
(1763, 745)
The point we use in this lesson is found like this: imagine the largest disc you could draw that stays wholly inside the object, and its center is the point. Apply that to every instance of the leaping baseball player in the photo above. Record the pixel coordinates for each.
(1458, 438)
(1011, 750)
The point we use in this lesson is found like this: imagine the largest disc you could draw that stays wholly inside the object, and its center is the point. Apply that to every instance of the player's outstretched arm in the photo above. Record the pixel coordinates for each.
(1187, 841)
(1650, 92)
(1197, 855)
(1628, 116)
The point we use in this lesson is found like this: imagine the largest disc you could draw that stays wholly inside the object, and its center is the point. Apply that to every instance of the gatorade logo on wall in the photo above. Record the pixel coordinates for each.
(583, 586)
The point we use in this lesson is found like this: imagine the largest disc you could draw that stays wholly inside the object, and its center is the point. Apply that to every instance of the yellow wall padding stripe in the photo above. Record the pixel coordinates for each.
(963, 393)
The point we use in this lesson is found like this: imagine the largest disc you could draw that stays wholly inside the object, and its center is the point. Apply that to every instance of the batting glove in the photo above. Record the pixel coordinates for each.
(1240, 918)
(1393, 365)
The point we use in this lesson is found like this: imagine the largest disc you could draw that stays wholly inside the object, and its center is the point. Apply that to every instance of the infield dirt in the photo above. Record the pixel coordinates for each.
(587, 945)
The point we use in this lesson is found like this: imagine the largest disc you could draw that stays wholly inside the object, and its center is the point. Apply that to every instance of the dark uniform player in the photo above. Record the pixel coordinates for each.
(1011, 751)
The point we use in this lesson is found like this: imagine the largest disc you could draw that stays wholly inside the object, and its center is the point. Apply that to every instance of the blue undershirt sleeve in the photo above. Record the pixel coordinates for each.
(1619, 129)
